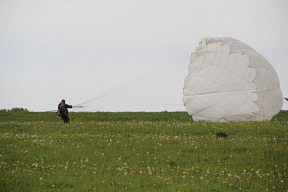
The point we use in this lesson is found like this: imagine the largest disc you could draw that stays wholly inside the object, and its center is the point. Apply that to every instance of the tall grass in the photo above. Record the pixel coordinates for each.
(168, 153)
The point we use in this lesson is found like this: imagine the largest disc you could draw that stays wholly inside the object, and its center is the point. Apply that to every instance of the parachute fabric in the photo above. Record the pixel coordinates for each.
(229, 81)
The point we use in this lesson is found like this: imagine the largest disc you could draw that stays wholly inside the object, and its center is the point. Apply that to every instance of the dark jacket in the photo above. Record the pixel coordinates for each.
(63, 106)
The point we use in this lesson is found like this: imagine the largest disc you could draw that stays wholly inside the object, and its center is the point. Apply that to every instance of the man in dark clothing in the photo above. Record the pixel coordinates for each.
(63, 111)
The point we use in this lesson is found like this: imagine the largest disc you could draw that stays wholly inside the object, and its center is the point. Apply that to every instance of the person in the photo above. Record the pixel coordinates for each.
(63, 111)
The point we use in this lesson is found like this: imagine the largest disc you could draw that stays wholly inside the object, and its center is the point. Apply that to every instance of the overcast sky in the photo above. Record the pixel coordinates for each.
(135, 52)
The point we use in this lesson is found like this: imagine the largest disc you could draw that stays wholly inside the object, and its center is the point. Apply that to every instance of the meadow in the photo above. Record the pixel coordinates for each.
(163, 151)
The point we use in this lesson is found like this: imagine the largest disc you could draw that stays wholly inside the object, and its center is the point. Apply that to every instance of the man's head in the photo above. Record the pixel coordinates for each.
(63, 101)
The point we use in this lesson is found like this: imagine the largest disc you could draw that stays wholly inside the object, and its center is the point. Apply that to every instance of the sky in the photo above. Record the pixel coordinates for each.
(117, 55)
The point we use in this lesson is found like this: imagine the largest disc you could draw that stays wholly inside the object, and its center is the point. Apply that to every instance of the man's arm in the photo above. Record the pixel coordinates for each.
(68, 106)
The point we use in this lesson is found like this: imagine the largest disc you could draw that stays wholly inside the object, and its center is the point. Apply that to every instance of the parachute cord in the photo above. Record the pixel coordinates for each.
(137, 80)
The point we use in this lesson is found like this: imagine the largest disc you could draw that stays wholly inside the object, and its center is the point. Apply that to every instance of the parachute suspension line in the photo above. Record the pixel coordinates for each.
(146, 83)
(78, 106)
(84, 109)
(144, 89)
(137, 80)
(148, 77)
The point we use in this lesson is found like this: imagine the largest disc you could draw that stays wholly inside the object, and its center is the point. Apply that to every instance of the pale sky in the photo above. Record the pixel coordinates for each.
(135, 52)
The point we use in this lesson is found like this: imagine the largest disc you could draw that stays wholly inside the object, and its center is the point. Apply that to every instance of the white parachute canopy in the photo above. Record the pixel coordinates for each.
(230, 81)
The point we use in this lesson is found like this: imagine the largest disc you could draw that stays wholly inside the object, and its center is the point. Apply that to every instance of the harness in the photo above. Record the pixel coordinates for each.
(62, 109)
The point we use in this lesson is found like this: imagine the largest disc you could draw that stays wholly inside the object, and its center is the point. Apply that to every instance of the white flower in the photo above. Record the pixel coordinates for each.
(237, 177)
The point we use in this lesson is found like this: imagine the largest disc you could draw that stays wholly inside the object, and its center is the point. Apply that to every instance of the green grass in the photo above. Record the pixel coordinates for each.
(96, 117)
(141, 152)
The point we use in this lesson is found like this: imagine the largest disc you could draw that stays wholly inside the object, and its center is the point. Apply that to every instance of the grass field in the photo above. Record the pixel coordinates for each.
(164, 151)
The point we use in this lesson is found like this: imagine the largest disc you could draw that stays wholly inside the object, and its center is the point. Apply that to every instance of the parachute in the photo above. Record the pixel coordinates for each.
(229, 81)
